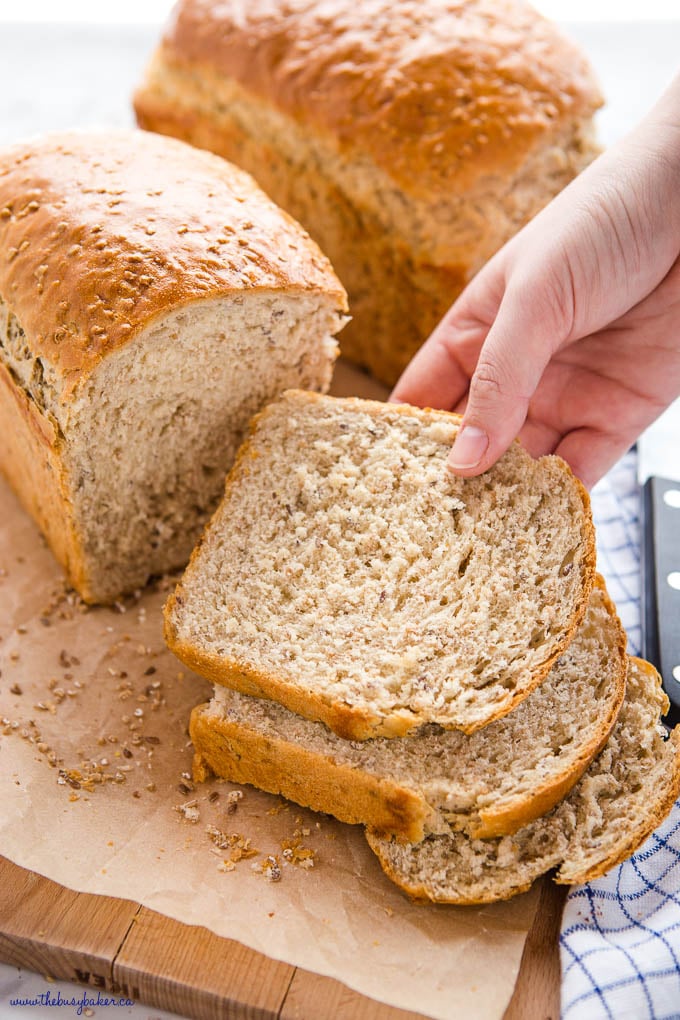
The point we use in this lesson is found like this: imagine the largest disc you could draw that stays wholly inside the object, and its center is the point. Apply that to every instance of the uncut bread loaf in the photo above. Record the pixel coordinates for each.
(487, 784)
(349, 576)
(623, 796)
(152, 299)
(411, 138)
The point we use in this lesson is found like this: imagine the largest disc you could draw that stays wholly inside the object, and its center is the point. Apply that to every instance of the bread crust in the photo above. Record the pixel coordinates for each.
(101, 235)
(105, 232)
(350, 721)
(659, 805)
(510, 816)
(32, 463)
(364, 74)
(232, 749)
(317, 782)
(418, 892)
(648, 824)
(411, 139)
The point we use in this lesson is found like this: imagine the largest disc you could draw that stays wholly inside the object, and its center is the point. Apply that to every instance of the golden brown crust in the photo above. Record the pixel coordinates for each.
(639, 834)
(101, 233)
(636, 837)
(242, 753)
(308, 778)
(351, 722)
(31, 461)
(419, 892)
(411, 139)
(500, 821)
(485, 72)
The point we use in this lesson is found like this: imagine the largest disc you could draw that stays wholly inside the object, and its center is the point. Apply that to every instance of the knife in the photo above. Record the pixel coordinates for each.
(659, 474)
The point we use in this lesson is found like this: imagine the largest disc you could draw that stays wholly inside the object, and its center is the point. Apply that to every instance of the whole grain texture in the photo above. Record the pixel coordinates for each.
(486, 784)
(624, 795)
(349, 576)
(152, 298)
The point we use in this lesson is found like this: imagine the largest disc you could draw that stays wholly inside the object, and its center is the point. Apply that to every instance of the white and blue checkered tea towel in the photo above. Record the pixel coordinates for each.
(620, 940)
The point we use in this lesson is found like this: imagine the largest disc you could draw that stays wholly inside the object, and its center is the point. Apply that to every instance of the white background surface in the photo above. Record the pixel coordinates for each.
(136, 11)
(56, 76)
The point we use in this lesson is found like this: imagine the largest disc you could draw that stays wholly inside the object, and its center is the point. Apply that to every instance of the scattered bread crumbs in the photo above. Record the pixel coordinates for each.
(67, 660)
(270, 868)
(226, 866)
(16, 689)
(233, 799)
(189, 811)
(389, 911)
(239, 846)
(64, 604)
(294, 852)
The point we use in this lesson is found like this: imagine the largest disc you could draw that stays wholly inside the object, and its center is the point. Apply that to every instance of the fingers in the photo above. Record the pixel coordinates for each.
(590, 454)
(436, 376)
(439, 374)
(512, 360)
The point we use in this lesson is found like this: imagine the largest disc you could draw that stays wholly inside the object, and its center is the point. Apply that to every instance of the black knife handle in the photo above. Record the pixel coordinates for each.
(660, 587)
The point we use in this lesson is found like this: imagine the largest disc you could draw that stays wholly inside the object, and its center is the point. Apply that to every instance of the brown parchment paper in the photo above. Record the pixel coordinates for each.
(96, 794)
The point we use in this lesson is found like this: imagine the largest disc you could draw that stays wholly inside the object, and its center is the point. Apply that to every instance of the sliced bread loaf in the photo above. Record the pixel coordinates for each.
(621, 799)
(349, 576)
(490, 783)
(152, 299)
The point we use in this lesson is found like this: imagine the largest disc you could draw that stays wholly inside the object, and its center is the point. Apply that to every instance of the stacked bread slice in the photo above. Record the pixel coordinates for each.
(429, 656)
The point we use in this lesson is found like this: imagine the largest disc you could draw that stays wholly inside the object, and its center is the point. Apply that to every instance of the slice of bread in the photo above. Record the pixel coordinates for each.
(349, 576)
(621, 799)
(490, 783)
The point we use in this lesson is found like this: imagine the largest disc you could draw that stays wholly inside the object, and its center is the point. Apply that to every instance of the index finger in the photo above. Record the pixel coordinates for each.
(439, 374)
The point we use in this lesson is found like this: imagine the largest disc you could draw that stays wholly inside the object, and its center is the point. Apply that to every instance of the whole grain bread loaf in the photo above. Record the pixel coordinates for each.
(349, 576)
(412, 138)
(623, 796)
(152, 299)
(487, 784)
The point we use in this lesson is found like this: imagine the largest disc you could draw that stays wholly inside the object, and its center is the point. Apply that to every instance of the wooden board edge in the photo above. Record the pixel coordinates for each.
(537, 989)
(119, 965)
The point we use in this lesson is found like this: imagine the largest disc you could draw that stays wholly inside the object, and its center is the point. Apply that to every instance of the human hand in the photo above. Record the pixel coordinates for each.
(570, 335)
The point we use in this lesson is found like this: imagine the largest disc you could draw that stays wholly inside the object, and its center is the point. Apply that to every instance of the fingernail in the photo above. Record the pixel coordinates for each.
(468, 449)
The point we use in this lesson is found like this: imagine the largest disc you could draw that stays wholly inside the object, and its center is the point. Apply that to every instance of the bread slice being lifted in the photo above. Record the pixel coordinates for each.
(624, 795)
(489, 783)
(350, 577)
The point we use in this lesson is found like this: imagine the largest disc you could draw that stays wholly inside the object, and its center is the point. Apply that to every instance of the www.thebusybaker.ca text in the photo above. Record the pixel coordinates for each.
(79, 1003)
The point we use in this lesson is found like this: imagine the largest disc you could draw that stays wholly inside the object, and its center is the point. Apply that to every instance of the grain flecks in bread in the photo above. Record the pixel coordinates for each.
(152, 299)
(487, 784)
(624, 795)
(349, 576)
(411, 138)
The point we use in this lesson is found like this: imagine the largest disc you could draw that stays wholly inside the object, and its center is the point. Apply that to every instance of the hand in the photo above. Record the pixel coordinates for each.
(570, 336)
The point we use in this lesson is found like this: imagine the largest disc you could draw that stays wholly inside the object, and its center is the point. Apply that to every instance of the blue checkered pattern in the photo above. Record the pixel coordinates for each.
(620, 941)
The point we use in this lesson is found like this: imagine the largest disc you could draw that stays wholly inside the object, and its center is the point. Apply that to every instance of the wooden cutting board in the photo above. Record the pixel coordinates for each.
(122, 948)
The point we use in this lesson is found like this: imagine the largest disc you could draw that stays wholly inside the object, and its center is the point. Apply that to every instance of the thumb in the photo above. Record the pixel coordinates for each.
(512, 360)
